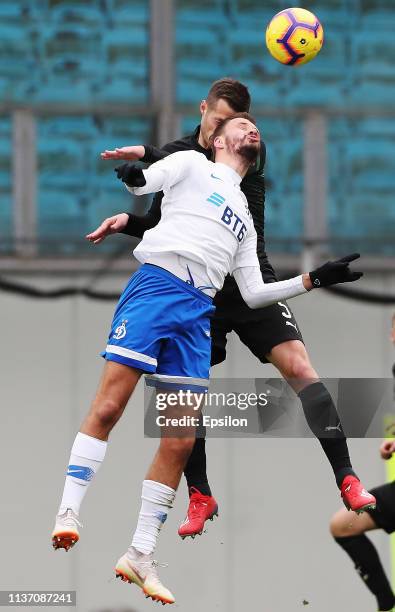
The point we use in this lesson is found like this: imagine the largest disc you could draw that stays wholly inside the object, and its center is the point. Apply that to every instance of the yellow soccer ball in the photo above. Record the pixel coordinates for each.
(294, 36)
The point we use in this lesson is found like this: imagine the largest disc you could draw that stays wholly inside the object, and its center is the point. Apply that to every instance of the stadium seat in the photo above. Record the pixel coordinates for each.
(126, 59)
(362, 183)
(70, 12)
(191, 91)
(126, 53)
(373, 58)
(196, 66)
(127, 130)
(62, 163)
(6, 230)
(62, 217)
(205, 6)
(374, 73)
(109, 200)
(68, 156)
(254, 12)
(6, 225)
(74, 38)
(377, 126)
(284, 222)
(128, 12)
(80, 128)
(198, 43)
(372, 165)
(376, 14)
(13, 13)
(373, 6)
(123, 90)
(375, 227)
(188, 15)
(73, 68)
(17, 56)
(189, 68)
(62, 91)
(36, 11)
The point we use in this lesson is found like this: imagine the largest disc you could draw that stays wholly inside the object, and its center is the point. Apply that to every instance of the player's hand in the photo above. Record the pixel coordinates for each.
(131, 175)
(387, 449)
(129, 153)
(333, 272)
(112, 225)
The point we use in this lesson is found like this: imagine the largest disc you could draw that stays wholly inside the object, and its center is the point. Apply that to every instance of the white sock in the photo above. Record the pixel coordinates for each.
(157, 499)
(86, 457)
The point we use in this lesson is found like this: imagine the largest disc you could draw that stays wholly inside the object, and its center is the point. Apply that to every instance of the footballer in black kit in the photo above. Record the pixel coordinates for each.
(352, 538)
(259, 329)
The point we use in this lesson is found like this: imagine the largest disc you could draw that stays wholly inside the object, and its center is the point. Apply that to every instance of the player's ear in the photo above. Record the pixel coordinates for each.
(203, 107)
(218, 143)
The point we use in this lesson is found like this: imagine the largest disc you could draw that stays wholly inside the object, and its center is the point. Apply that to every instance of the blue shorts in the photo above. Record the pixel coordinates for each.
(162, 326)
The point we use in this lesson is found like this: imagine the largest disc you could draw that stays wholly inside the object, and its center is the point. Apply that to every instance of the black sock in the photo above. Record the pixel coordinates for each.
(324, 421)
(196, 469)
(368, 565)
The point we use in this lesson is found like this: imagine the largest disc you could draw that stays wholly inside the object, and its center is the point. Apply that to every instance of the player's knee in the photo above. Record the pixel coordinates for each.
(181, 447)
(343, 525)
(299, 367)
(107, 412)
(292, 360)
(335, 527)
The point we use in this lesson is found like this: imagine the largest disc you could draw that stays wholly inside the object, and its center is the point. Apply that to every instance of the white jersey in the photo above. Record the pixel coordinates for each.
(205, 220)
(205, 215)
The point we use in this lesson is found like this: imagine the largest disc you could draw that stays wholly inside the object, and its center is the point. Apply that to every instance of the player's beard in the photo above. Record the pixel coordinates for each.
(247, 150)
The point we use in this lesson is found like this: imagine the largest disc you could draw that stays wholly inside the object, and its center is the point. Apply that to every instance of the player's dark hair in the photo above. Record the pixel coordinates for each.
(221, 126)
(233, 92)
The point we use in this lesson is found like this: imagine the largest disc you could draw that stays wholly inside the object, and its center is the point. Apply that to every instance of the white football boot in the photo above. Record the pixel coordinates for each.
(66, 534)
(141, 569)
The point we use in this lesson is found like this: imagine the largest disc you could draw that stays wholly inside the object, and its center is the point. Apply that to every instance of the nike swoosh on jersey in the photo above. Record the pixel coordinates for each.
(216, 177)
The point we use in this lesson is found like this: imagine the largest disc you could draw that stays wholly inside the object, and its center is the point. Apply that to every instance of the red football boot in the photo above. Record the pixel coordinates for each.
(201, 508)
(355, 496)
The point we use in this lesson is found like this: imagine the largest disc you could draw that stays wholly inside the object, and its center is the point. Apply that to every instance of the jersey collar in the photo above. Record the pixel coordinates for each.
(226, 172)
(198, 146)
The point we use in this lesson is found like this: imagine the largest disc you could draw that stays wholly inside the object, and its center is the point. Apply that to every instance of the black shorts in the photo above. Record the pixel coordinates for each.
(384, 514)
(268, 327)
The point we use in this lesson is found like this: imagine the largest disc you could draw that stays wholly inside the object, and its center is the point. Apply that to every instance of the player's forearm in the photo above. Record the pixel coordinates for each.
(138, 224)
(153, 154)
(258, 294)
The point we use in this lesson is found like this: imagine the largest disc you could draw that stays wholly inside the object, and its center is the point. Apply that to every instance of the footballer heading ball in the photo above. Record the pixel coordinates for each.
(294, 36)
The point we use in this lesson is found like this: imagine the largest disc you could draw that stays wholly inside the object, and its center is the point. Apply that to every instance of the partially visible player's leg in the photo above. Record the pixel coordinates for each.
(275, 337)
(349, 533)
(158, 492)
(183, 364)
(202, 505)
(196, 468)
(130, 350)
(292, 360)
(116, 386)
(87, 454)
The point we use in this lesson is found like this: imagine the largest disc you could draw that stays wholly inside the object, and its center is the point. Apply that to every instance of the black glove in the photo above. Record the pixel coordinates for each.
(333, 272)
(131, 174)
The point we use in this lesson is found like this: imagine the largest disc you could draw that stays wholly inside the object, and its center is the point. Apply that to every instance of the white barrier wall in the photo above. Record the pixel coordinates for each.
(270, 548)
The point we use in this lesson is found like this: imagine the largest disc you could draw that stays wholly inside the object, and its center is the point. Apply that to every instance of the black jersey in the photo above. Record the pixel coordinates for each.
(253, 187)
